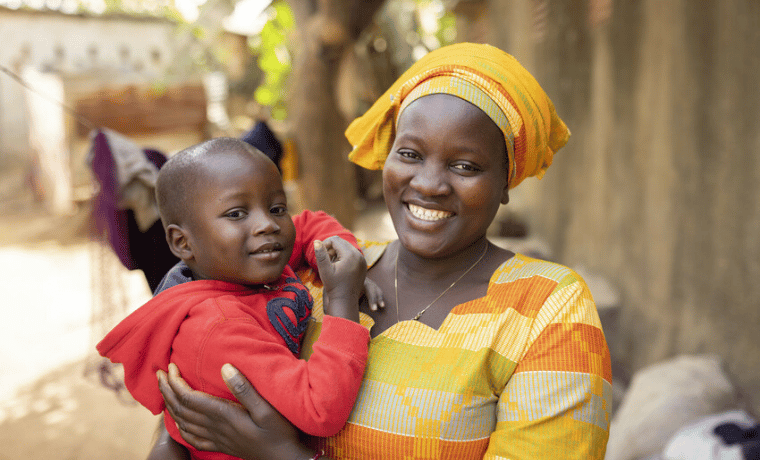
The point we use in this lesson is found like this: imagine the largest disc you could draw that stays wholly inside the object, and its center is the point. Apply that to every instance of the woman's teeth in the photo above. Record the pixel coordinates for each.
(428, 214)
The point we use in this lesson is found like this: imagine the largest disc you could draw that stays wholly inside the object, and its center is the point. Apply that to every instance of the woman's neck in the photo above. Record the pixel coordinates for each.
(416, 268)
(415, 281)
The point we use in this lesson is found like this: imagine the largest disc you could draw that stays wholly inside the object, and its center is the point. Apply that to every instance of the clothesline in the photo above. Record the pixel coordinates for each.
(79, 118)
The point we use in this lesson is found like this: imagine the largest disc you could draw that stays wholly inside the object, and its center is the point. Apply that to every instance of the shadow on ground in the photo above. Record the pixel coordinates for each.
(69, 414)
(63, 413)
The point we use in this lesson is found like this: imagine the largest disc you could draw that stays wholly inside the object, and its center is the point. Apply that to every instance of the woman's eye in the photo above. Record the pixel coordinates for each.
(465, 167)
(409, 154)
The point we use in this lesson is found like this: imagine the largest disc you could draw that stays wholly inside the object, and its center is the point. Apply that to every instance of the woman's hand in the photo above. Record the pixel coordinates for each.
(166, 448)
(253, 431)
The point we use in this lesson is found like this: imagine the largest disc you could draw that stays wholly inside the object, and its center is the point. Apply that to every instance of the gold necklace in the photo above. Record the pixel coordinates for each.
(419, 315)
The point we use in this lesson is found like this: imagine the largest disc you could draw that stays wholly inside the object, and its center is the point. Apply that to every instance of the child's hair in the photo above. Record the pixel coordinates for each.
(178, 178)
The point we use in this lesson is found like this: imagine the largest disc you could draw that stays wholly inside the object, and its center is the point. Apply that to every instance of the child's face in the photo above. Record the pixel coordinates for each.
(241, 230)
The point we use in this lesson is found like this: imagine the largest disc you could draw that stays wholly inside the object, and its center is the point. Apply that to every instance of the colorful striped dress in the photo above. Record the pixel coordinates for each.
(522, 373)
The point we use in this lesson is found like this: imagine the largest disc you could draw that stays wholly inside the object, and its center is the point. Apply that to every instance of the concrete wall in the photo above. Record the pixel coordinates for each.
(659, 186)
(135, 50)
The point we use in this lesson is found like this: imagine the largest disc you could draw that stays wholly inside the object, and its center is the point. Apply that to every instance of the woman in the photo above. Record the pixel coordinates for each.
(480, 352)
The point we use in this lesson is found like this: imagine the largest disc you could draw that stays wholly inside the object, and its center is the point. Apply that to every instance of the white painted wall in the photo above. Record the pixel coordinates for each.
(139, 49)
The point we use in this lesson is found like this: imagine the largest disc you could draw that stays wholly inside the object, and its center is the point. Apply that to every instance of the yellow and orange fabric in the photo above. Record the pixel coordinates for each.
(521, 373)
(485, 76)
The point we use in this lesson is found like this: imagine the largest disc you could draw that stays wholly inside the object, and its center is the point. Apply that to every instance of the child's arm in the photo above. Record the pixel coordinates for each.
(310, 227)
(314, 226)
(315, 395)
(343, 271)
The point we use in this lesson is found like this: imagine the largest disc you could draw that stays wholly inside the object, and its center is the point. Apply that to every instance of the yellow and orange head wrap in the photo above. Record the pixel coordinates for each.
(485, 76)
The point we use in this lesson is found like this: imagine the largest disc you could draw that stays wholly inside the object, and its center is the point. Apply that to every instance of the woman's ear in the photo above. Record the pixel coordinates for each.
(179, 242)
(505, 195)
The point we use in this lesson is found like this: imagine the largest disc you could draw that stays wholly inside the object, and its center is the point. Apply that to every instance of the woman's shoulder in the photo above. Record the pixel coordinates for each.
(522, 268)
(373, 250)
(542, 289)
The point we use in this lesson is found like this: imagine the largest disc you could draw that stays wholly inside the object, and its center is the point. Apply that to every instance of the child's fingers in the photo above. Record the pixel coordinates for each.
(319, 248)
(330, 247)
(342, 247)
(322, 256)
(349, 265)
(374, 295)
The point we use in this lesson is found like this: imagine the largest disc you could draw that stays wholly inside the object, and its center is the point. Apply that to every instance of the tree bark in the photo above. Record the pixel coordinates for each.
(327, 31)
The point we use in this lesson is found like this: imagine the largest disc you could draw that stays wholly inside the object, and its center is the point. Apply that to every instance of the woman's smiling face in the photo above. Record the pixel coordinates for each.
(445, 176)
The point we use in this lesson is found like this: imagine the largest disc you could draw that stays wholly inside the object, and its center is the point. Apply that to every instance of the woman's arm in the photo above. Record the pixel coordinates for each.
(253, 431)
(557, 402)
(166, 448)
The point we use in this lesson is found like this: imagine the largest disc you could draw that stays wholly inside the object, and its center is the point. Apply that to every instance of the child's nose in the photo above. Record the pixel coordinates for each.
(264, 224)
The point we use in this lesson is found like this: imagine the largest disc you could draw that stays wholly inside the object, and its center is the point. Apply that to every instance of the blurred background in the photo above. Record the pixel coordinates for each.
(655, 200)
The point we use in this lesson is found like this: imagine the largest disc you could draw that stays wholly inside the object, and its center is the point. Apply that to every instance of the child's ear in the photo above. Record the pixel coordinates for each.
(179, 242)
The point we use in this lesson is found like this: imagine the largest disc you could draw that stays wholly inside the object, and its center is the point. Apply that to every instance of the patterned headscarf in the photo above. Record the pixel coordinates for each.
(485, 76)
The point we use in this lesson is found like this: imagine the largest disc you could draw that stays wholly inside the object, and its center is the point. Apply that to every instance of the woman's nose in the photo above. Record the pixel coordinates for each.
(264, 224)
(430, 179)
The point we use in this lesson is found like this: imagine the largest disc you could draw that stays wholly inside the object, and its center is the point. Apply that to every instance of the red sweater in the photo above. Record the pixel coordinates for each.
(201, 325)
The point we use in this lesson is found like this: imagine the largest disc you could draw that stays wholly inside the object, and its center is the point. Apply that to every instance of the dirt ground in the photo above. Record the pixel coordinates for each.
(50, 405)
(68, 415)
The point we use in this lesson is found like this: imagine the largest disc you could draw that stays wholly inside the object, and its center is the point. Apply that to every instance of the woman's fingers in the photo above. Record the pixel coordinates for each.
(261, 412)
(241, 388)
(177, 395)
(181, 402)
(198, 442)
(253, 430)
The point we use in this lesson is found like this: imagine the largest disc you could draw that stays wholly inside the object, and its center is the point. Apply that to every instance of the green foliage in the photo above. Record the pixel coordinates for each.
(447, 29)
(271, 46)
(171, 13)
(438, 28)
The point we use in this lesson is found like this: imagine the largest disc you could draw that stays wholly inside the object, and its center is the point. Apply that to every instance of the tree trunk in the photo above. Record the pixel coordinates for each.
(327, 32)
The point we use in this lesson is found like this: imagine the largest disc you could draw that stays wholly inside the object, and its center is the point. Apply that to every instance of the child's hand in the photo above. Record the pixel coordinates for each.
(342, 269)
(374, 295)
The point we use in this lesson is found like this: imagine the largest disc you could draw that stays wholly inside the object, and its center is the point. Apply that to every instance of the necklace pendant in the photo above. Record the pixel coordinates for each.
(422, 312)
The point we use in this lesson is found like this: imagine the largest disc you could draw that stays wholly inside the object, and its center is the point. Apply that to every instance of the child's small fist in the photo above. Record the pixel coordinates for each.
(342, 269)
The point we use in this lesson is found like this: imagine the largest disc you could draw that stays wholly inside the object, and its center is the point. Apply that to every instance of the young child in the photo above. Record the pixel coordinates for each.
(224, 210)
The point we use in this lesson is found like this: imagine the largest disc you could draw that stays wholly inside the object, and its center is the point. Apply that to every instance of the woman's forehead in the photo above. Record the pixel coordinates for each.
(444, 116)
(442, 107)
(445, 111)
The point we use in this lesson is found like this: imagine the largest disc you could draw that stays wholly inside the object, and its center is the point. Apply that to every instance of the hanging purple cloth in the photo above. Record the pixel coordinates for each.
(137, 244)
(109, 219)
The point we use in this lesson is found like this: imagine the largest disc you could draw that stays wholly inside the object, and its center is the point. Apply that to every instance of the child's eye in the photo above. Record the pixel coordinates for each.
(235, 214)
(278, 210)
